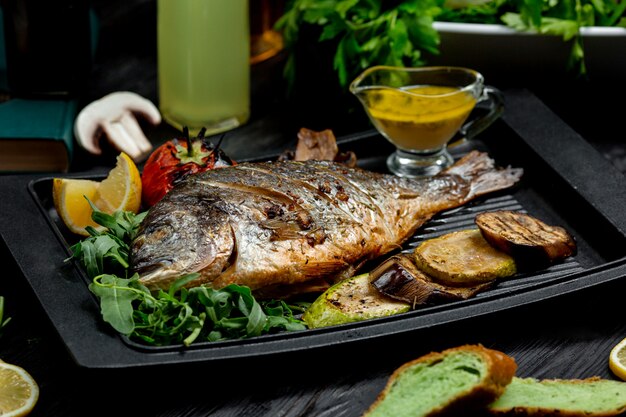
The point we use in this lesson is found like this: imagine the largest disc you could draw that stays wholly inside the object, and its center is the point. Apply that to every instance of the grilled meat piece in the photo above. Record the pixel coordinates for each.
(320, 146)
(526, 238)
(287, 224)
(316, 145)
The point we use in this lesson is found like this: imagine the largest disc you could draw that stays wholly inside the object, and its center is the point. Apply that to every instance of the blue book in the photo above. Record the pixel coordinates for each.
(36, 135)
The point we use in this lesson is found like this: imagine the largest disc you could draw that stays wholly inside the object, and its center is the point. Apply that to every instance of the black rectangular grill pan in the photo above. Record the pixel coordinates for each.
(566, 183)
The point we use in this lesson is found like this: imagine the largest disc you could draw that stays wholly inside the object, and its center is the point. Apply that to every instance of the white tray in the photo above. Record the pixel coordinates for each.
(497, 50)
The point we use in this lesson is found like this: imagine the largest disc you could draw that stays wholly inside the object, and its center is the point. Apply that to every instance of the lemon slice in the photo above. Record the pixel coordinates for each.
(18, 391)
(120, 190)
(617, 360)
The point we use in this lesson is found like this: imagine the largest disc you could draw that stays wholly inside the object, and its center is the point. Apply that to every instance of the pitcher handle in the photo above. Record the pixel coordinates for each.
(474, 127)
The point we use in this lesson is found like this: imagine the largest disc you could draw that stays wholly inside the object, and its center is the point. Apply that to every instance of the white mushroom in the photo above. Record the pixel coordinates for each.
(114, 116)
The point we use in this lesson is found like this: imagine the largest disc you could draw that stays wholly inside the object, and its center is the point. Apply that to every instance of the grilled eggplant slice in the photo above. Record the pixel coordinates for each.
(463, 259)
(351, 300)
(530, 241)
(399, 278)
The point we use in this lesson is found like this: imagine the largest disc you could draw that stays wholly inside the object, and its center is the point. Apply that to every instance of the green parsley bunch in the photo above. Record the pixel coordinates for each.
(365, 33)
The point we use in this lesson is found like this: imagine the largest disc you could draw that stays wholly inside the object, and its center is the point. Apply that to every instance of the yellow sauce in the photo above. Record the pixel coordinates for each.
(422, 121)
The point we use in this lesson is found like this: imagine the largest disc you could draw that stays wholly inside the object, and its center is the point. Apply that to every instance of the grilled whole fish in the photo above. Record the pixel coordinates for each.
(289, 227)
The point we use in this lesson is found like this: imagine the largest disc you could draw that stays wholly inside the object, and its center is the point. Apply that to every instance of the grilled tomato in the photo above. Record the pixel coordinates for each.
(175, 160)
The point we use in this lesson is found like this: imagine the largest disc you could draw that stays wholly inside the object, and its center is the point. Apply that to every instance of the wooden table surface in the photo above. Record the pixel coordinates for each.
(568, 337)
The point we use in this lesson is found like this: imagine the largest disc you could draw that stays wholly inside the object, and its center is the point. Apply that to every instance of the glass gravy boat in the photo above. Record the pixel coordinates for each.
(419, 110)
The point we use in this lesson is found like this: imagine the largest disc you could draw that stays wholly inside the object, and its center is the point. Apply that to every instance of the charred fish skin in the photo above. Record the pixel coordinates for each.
(187, 233)
(295, 224)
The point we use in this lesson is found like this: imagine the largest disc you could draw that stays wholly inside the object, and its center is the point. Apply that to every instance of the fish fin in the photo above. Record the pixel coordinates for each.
(280, 291)
(479, 170)
(324, 268)
(494, 181)
(282, 230)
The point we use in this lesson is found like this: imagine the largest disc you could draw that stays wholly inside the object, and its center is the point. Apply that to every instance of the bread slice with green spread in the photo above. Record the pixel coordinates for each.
(453, 382)
(592, 397)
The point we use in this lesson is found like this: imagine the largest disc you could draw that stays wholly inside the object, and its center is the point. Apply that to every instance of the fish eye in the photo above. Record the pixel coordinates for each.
(157, 232)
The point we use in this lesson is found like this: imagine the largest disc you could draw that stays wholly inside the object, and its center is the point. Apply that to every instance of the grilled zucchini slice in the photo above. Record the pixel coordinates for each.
(463, 259)
(351, 300)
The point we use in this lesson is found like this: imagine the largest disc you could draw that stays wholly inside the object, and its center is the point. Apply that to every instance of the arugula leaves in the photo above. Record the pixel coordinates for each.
(180, 315)
(184, 315)
(108, 249)
(400, 32)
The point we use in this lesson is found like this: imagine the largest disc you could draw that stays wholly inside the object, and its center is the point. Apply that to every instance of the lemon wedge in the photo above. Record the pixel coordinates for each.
(617, 360)
(120, 190)
(71, 205)
(18, 391)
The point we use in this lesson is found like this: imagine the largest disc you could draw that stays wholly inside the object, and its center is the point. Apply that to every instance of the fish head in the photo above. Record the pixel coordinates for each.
(174, 241)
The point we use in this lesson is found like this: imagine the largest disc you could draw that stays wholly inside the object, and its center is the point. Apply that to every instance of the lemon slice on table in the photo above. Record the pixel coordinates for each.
(617, 360)
(18, 391)
(120, 190)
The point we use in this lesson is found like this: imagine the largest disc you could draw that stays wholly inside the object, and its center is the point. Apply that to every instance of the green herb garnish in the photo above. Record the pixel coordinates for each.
(366, 32)
(108, 249)
(180, 315)
(184, 315)
(400, 32)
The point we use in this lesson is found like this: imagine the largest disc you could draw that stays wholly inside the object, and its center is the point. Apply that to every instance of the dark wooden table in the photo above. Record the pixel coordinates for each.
(568, 337)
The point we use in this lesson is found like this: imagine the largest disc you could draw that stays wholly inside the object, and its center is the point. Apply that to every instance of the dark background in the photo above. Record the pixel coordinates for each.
(568, 338)
(126, 60)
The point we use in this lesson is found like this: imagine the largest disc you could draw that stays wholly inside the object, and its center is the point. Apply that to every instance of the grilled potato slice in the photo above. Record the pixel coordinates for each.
(463, 259)
(351, 300)
(529, 240)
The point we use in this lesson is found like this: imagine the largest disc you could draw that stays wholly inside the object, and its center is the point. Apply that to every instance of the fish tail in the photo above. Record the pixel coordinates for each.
(480, 171)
